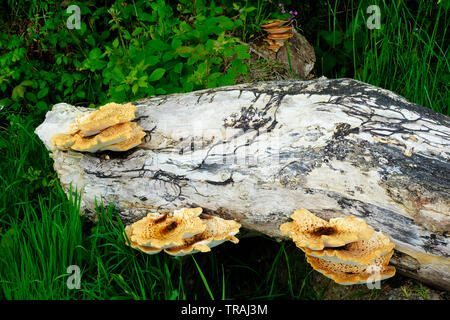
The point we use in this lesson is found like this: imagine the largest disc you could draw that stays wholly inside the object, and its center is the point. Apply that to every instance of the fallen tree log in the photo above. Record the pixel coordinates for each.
(257, 152)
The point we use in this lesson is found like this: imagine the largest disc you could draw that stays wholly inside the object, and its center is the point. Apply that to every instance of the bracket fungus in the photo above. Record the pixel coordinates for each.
(106, 116)
(186, 231)
(277, 33)
(108, 128)
(348, 274)
(346, 250)
(360, 253)
(165, 231)
(309, 231)
(217, 231)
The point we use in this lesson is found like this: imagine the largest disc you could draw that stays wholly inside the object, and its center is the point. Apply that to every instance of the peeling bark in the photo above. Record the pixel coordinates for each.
(257, 152)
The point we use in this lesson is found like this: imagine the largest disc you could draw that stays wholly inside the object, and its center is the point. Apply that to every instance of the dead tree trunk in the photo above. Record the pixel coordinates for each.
(257, 152)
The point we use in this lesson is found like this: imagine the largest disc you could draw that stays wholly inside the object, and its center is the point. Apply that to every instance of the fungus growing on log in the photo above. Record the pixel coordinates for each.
(278, 33)
(106, 116)
(63, 140)
(314, 233)
(135, 139)
(347, 274)
(275, 23)
(166, 231)
(360, 253)
(185, 232)
(217, 231)
(108, 128)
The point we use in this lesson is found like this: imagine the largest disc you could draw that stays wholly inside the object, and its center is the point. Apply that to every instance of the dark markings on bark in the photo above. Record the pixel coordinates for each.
(221, 183)
(101, 175)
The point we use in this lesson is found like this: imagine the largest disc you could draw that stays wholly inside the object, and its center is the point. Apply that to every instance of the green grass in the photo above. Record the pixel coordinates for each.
(42, 233)
(408, 55)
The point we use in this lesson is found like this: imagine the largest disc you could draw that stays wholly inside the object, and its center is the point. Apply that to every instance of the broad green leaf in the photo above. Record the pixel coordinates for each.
(157, 74)
(18, 92)
(242, 52)
(42, 93)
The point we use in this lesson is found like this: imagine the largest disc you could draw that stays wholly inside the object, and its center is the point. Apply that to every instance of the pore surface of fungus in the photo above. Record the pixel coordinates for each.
(309, 231)
(217, 231)
(347, 274)
(361, 253)
(166, 230)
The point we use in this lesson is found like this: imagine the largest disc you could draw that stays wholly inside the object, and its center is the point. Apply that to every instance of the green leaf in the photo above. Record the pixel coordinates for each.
(95, 54)
(26, 83)
(242, 52)
(176, 43)
(157, 74)
(178, 67)
(18, 92)
(42, 93)
(135, 88)
(151, 60)
(41, 105)
(142, 82)
(185, 51)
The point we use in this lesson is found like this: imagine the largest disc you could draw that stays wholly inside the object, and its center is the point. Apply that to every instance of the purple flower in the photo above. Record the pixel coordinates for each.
(283, 11)
(295, 13)
(417, 29)
(290, 12)
(280, 4)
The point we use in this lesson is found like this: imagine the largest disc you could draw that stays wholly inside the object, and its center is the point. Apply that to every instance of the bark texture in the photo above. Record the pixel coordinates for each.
(257, 152)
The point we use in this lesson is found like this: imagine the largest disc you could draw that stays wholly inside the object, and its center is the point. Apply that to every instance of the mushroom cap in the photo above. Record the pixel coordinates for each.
(347, 274)
(133, 141)
(278, 29)
(280, 36)
(274, 23)
(314, 233)
(115, 134)
(217, 231)
(106, 116)
(360, 253)
(166, 231)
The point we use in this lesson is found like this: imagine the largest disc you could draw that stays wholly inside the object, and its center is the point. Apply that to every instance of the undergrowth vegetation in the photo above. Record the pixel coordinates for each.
(127, 50)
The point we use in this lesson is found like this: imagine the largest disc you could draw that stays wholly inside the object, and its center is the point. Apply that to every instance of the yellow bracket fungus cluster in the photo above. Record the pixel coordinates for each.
(277, 34)
(345, 250)
(186, 231)
(108, 128)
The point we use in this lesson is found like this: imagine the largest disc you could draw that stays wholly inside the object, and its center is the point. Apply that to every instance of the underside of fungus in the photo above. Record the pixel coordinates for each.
(108, 128)
(346, 249)
(360, 253)
(347, 274)
(309, 231)
(186, 231)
